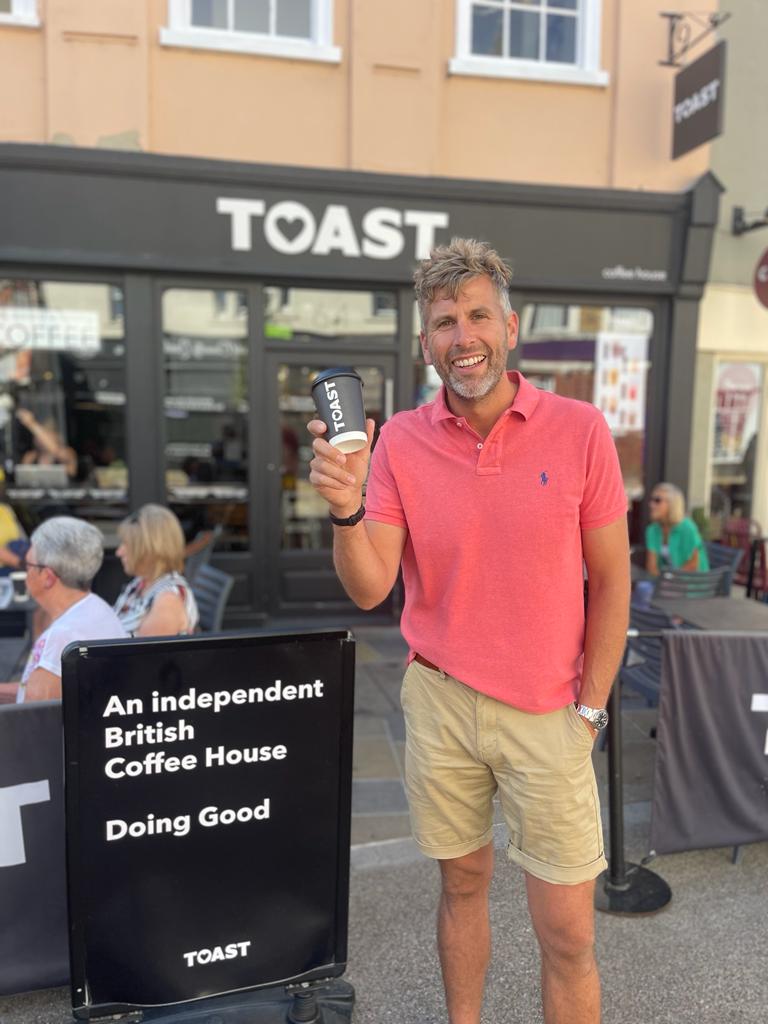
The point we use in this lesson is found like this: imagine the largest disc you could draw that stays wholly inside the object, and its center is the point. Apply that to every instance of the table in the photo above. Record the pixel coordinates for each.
(717, 613)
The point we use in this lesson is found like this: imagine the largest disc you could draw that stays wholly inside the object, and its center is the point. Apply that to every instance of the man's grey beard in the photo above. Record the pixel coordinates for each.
(469, 389)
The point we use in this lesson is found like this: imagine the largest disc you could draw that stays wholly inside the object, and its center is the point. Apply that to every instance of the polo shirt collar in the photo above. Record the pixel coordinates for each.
(524, 403)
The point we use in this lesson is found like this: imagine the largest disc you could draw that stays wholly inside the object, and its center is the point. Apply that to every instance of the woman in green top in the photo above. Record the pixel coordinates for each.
(672, 541)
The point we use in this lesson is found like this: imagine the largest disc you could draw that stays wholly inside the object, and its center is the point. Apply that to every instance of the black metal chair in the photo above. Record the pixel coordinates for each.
(722, 556)
(676, 583)
(641, 668)
(211, 588)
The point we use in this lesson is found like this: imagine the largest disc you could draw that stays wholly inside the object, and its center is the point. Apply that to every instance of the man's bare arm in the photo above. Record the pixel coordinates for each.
(606, 552)
(367, 555)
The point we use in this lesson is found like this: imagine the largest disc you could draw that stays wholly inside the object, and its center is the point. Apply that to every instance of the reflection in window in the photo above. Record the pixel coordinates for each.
(206, 411)
(738, 387)
(62, 399)
(596, 354)
(312, 315)
(544, 30)
(290, 18)
(304, 514)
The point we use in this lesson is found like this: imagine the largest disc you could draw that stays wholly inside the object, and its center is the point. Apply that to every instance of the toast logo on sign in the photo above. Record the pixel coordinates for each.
(231, 951)
(291, 229)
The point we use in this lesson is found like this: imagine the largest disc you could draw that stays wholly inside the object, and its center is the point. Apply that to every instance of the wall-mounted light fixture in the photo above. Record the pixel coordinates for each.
(740, 225)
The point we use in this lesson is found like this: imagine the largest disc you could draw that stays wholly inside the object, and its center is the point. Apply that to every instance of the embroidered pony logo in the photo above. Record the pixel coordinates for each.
(544, 479)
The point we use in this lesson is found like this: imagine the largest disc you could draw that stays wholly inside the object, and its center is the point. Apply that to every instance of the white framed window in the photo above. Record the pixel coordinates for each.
(544, 40)
(297, 29)
(19, 12)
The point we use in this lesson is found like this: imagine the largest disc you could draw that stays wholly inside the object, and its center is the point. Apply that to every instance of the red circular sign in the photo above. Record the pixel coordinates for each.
(761, 279)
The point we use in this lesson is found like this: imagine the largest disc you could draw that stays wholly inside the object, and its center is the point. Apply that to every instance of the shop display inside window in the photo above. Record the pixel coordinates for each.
(62, 400)
(597, 354)
(205, 359)
(738, 388)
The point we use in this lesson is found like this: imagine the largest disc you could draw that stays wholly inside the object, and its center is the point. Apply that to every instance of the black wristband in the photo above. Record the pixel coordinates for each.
(350, 520)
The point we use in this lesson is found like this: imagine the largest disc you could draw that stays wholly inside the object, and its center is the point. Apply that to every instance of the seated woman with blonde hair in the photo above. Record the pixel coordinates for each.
(158, 601)
(672, 540)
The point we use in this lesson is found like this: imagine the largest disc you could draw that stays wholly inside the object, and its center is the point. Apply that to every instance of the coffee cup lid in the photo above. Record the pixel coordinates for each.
(336, 371)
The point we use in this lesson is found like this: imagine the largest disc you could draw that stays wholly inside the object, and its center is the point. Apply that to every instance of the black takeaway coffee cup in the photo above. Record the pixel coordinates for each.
(338, 395)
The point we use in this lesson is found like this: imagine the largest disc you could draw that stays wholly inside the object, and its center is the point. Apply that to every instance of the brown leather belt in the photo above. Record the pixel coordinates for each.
(427, 664)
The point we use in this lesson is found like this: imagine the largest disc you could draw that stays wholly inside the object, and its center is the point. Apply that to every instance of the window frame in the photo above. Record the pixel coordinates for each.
(586, 71)
(24, 14)
(181, 32)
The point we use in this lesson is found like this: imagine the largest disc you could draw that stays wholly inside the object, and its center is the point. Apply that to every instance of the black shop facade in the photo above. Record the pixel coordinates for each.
(165, 317)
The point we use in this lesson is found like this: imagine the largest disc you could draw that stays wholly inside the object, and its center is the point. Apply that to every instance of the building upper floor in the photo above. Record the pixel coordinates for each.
(567, 92)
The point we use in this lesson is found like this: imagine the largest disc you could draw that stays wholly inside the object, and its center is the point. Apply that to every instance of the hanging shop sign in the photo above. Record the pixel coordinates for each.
(697, 114)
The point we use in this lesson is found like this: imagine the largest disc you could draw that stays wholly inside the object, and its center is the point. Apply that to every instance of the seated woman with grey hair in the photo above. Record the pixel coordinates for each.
(672, 540)
(64, 555)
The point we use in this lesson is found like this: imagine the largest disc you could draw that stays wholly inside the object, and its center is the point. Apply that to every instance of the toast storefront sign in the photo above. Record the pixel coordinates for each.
(698, 109)
(290, 228)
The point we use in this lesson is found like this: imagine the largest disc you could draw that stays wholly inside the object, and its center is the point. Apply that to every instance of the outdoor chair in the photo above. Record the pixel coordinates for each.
(723, 556)
(641, 666)
(676, 583)
(739, 532)
(199, 551)
(211, 588)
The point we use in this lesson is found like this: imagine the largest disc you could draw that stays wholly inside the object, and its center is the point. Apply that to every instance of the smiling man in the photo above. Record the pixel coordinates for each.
(492, 497)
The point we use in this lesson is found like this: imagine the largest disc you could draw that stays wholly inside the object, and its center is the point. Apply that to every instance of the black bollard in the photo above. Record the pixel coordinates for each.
(624, 888)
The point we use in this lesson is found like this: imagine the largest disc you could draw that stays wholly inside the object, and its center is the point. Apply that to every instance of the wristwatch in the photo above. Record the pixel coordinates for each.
(597, 717)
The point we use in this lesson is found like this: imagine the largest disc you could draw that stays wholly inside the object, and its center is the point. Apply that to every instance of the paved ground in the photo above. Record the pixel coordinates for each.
(703, 960)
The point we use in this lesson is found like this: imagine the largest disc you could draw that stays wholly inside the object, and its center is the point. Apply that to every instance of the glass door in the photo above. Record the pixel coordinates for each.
(299, 570)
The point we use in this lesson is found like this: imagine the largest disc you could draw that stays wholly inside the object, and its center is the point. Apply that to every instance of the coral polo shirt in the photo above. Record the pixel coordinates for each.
(492, 563)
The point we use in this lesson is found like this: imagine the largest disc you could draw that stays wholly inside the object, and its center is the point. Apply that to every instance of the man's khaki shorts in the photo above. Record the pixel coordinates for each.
(462, 747)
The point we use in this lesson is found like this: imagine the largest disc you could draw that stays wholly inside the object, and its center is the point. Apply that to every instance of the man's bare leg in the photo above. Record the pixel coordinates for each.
(464, 932)
(563, 918)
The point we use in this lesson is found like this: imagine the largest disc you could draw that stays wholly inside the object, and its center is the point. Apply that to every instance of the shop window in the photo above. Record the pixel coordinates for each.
(205, 360)
(283, 28)
(596, 354)
(19, 12)
(556, 40)
(303, 514)
(62, 400)
(326, 316)
(738, 387)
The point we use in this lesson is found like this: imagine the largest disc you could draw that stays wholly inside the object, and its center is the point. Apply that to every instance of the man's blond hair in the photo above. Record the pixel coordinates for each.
(449, 267)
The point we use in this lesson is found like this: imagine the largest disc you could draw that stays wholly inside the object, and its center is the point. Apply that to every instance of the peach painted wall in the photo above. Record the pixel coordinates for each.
(95, 74)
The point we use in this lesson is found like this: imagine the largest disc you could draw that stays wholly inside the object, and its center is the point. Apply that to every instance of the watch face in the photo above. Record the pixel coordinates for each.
(600, 719)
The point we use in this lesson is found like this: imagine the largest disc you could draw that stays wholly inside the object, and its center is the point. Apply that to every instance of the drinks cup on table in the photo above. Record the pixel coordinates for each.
(19, 581)
(338, 395)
